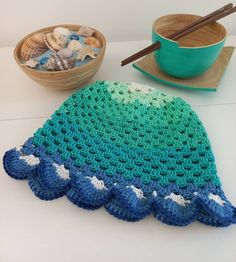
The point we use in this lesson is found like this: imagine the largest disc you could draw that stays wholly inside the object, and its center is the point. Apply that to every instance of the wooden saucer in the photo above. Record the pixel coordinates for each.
(207, 81)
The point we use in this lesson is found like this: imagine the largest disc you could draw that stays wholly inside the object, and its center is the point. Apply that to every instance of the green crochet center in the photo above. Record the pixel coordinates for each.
(132, 131)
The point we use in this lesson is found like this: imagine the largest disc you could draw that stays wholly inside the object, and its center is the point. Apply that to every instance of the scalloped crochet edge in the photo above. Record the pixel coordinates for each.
(123, 199)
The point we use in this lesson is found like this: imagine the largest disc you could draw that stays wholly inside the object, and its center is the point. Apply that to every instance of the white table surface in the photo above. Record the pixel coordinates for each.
(35, 230)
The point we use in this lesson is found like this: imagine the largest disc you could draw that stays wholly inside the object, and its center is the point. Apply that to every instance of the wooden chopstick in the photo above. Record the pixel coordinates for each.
(157, 45)
(202, 19)
(206, 22)
(219, 13)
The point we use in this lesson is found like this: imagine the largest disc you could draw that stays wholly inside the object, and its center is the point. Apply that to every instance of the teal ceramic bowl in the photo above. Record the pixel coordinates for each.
(193, 54)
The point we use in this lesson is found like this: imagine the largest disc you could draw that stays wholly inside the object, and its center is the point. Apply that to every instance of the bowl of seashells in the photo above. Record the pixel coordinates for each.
(61, 57)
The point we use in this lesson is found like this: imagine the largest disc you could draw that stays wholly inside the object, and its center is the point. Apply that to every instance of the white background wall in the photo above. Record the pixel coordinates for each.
(119, 20)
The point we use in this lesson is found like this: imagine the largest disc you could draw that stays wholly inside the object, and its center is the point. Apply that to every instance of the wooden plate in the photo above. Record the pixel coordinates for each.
(207, 81)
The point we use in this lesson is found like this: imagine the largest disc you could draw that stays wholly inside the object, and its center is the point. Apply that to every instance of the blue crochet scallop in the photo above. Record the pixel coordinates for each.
(127, 147)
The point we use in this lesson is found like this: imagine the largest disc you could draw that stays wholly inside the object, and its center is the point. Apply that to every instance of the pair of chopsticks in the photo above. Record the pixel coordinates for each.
(205, 20)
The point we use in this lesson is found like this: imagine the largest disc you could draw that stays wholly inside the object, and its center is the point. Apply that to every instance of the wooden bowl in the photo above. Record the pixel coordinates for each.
(67, 79)
(191, 55)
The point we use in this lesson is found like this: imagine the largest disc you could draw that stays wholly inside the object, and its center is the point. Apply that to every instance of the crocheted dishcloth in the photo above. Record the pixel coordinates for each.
(128, 147)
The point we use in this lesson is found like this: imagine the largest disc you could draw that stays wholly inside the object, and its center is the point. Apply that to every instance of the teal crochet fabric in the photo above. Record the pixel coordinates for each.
(128, 147)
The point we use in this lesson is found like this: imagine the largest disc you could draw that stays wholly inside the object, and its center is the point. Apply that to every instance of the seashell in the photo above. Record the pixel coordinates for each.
(84, 52)
(62, 30)
(85, 31)
(55, 41)
(31, 63)
(65, 53)
(57, 63)
(32, 47)
(74, 45)
(92, 41)
(74, 37)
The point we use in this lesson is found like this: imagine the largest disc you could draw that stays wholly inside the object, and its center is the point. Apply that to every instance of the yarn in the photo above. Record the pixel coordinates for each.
(129, 148)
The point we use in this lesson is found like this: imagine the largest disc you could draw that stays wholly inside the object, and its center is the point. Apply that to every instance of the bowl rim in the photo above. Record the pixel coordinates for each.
(49, 29)
(188, 47)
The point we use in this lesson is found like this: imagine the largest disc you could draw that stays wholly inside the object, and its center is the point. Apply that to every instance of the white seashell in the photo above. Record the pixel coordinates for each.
(57, 63)
(74, 45)
(65, 53)
(31, 63)
(85, 31)
(55, 41)
(62, 30)
(84, 52)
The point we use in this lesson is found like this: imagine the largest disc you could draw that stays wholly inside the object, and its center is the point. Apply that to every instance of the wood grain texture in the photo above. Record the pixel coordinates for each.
(67, 79)
(207, 35)
(207, 81)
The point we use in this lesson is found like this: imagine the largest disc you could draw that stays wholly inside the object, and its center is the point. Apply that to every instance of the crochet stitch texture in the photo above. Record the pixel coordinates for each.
(128, 147)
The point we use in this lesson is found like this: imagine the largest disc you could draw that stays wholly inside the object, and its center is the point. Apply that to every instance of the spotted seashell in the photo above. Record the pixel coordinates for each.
(55, 41)
(85, 31)
(57, 63)
(92, 41)
(65, 53)
(62, 30)
(74, 45)
(32, 47)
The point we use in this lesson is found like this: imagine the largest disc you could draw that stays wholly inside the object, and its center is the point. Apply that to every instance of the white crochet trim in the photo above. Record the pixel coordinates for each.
(154, 193)
(98, 184)
(138, 192)
(216, 198)
(178, 199)
(30, 160)
(61, 171)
